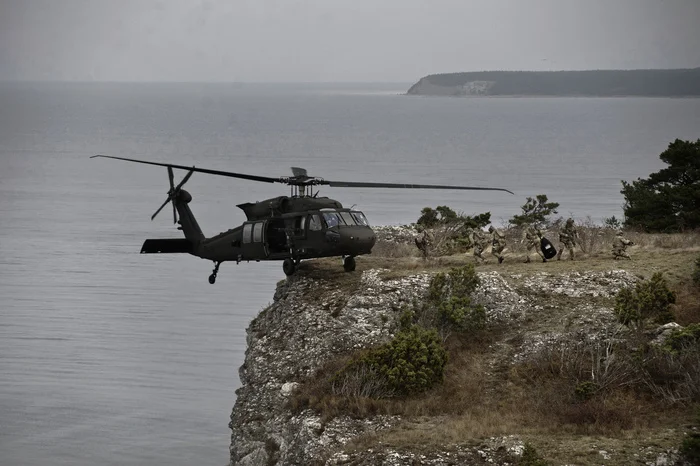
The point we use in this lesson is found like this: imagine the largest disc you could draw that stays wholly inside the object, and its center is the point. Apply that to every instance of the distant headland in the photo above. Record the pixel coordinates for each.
(603, 83)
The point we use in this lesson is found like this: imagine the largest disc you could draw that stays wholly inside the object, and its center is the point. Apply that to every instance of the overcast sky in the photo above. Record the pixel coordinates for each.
(337, 40)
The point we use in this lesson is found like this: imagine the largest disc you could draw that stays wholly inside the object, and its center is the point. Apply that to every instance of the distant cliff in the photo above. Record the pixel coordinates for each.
(607, 83)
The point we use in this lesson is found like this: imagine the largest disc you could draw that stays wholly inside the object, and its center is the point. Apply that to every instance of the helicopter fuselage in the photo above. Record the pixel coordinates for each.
(286, 234)
(299, 235)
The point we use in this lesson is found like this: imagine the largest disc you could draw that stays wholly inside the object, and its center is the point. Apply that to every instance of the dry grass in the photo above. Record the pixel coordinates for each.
(484, 395)
(687, 308)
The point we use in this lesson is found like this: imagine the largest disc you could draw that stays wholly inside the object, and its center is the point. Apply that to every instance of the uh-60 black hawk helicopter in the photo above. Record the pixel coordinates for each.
(287, 228)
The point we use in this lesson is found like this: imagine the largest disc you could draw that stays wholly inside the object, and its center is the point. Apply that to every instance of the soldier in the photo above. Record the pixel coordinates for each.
(567, 237)
(498, 243)
(532, 237)
(479, 243)
(620, 244)
(424, 242)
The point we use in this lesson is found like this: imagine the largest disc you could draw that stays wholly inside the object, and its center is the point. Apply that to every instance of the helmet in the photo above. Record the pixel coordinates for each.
(619, 233)
(569, 221)
(491, 229)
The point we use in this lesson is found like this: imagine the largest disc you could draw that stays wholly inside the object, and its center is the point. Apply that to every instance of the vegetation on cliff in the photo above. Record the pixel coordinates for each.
(659, 82)
(669, 200)
(564, 371)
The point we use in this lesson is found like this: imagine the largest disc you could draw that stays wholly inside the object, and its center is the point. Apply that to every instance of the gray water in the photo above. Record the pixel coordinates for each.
(113, 358)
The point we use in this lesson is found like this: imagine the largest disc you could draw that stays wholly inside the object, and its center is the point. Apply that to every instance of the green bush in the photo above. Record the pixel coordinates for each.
(459, 282)
(649, 300)
(441, 215)
(428, 217)
(684, 338)
(535, 211)
(530, 457)
(612, 222)
(412, 362)
(690, 448)
(459, 313)
(449, 303)
(586, 390)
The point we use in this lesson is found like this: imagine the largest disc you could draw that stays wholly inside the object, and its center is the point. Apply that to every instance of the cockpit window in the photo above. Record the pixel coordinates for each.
(332, 219)
(360, 218)
(347, 218)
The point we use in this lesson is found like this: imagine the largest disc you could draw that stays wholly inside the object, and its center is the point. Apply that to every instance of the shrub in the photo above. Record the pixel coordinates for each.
(690, 448)
(459, 282)
(412, 362)
(680, 340)
(449, 304)
(586, 390)
(535, 211)
(612, 222)
(428, 218)
(459, 313)
(440, 215)
(650, 300)
(673, 376)
(530, 457)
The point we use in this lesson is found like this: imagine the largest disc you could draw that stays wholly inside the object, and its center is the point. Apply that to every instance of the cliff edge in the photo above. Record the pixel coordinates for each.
(490, 409)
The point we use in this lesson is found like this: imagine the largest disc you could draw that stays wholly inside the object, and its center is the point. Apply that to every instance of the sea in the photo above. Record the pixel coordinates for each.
(110, 357)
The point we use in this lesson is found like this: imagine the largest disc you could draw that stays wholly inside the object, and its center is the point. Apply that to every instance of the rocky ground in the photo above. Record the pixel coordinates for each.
(322, 314)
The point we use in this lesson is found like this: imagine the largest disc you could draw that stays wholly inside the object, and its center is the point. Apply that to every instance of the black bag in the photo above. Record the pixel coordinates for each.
(548, 248)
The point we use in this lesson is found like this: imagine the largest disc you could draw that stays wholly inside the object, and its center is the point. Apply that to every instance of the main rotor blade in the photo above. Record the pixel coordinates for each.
(243, 176)
(361, 184)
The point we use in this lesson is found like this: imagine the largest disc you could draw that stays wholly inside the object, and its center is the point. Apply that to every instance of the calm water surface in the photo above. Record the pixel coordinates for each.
(109, 357)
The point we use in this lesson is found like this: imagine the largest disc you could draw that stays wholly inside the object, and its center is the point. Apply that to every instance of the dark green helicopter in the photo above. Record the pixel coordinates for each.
(286, 228)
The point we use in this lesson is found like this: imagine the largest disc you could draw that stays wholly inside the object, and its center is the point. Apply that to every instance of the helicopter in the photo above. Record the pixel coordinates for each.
(287, 228)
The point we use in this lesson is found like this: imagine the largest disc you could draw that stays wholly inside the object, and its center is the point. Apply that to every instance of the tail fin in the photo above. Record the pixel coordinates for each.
(188, 224)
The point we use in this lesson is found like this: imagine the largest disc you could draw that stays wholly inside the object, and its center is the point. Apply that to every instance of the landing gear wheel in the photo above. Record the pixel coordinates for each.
(289, 267)
(349, 263)
(212, 279)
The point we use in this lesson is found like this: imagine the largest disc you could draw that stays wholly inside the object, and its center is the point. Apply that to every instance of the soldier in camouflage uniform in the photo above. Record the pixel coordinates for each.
(424, 242)
(567, 237)
(498, 243)
(620, 244)
(479, 243)
(532, 237)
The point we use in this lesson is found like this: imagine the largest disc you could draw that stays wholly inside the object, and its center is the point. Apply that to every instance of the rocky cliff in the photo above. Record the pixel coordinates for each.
(322, 314)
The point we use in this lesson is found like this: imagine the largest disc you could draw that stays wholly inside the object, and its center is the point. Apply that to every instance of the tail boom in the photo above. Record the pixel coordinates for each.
(167, 246)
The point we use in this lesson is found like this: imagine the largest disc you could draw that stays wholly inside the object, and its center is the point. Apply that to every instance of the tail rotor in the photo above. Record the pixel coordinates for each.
(173, 192)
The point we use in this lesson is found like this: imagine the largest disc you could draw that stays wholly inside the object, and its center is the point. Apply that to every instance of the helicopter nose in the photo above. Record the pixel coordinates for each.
(357, 240)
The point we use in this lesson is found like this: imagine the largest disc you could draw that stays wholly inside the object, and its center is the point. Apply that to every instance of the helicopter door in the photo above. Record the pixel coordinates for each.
(314, 233)
(254, 245)
(300, 227)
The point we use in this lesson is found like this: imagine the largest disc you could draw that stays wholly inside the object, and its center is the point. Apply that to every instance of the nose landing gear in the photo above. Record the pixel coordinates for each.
(212, 277)
(348, 263)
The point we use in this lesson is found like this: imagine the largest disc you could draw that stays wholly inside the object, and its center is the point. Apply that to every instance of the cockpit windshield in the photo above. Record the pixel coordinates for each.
(360, 218)
(347, 218)
(333, 219)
